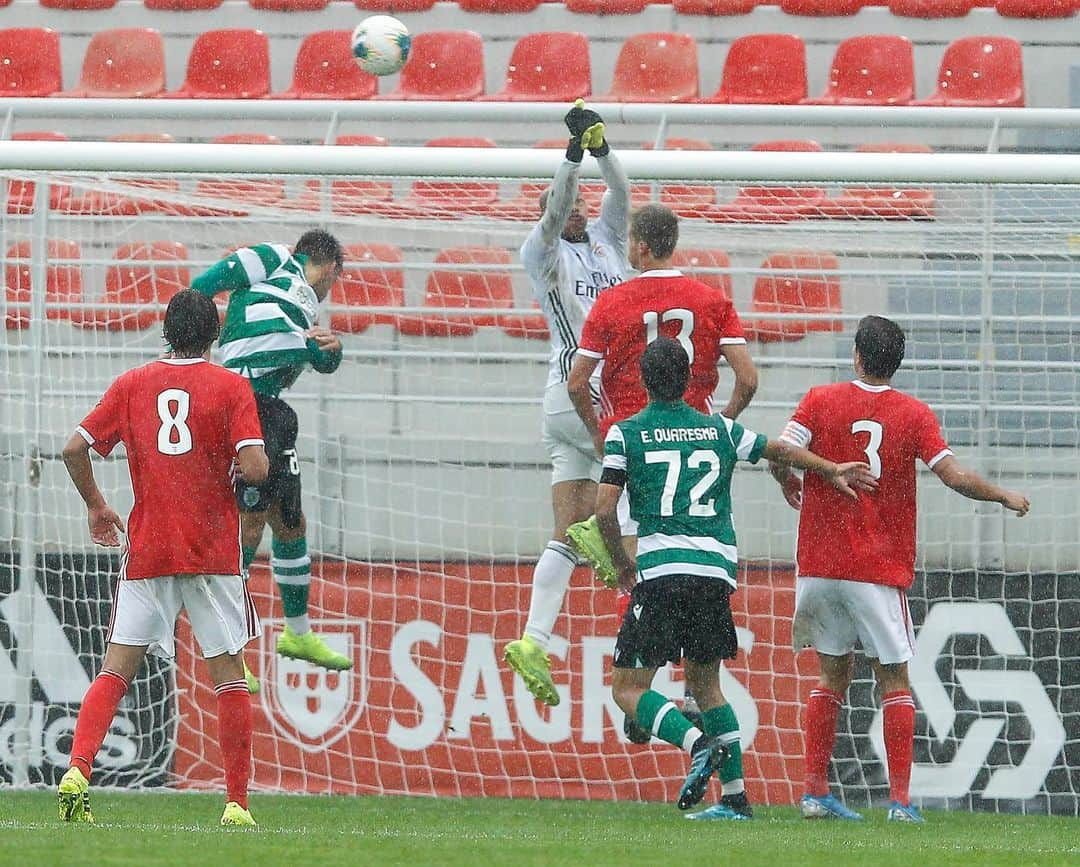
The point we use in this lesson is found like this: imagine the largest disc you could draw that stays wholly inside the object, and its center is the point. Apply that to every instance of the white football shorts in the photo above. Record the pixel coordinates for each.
(833, 616)
(570, 448)
(219, 608)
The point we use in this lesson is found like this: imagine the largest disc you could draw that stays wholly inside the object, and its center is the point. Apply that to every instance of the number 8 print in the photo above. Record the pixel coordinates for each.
(174, 423)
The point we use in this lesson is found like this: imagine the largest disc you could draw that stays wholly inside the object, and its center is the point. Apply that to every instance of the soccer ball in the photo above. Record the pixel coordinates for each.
(380, 44)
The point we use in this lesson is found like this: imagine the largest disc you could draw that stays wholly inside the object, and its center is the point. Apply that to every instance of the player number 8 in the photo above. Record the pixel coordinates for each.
(174, 436)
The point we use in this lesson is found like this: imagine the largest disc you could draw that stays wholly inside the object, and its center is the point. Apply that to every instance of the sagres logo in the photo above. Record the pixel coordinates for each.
(308, 705)
(1017, 690)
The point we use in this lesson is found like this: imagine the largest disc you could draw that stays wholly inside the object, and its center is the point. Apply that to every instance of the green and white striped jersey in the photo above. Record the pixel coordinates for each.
(678, 464)
(270, 307)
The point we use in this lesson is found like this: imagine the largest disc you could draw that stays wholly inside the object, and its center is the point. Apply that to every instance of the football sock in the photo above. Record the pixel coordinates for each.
(95, 716)
(899, 724)
(249, 557)
(234, 737)
(819, 730)
(720, 721)
(551, 577)
(658, 714)
(292, 572)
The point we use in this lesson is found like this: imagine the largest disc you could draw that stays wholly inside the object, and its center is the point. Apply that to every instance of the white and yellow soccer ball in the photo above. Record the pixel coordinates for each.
(380, 44)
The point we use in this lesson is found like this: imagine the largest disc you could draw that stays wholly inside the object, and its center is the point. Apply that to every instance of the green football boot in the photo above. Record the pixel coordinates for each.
(236, 815)
(529, 660)
(311, 648)
(73, 797)
(589, 545)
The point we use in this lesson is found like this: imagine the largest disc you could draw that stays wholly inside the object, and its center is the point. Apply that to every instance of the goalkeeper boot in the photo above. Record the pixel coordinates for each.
(251, 680)
(529, 660)
(311, 648)
(826, 807)
(589, 545)
(236, 815)
(707, 756)
(719, 813)
(73, 797)
(900, 813)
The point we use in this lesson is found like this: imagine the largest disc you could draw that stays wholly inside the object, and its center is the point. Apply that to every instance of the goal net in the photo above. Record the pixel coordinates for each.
(426, 486)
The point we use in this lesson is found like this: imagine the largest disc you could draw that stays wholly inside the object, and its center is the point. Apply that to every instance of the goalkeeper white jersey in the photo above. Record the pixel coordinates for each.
(567, 277)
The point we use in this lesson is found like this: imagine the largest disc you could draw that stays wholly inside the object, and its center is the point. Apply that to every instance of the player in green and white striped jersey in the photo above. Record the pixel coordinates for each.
(676, 465)
(270, 336)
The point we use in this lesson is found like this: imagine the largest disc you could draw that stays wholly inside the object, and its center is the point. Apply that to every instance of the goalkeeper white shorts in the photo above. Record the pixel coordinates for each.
(219, 608)
(833, 616)
(570, 448)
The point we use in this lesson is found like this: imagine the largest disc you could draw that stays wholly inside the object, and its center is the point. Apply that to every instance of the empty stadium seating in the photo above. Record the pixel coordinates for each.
(127, 62)
(547, 67)
(980, 71)
(289, 5)
(448, 199)
(689, 260)
(364, 284)
(326, 69)
(393, 6)
(766, 68)
(655, 67)
(503, 6)
(772, 204)
(442, 65)
(713, 7)
(227, 64)
(870, 70)
(351, 196)
(182, 5)
(461, 288)
(931, 8)
(821, 8)
(63, 282)
(884, 203)
(20, 198)
(527, 326)
(30, 62)
(138, 287)
(811, 290)
(607, 7)
(1037, 8)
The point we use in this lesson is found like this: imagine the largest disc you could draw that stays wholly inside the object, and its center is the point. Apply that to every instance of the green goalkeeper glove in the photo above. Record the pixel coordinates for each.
(586, 131)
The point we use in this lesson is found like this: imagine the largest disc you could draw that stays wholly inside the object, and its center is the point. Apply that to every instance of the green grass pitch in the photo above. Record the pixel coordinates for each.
(168, 828)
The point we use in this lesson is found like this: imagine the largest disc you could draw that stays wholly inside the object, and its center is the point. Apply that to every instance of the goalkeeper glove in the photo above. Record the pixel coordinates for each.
(586, 131)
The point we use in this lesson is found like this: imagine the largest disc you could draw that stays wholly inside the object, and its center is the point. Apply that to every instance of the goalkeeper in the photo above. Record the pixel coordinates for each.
(570, 261)
(270, 336)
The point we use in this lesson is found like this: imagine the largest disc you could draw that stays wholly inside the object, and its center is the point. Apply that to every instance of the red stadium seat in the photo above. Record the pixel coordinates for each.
(980, 71)
(530, 326)
(78, 5)
(21, 193)
(139, 286)
(607, 7)
(680, 144)
(772, 204)
(931, 8)
(227, 64)
(140, 200)
(506, 7)
(870, 70)
(290, 5)
(821, 8)
(767, 68)
(547, 67)
(351, 196)
(459, 288)
(326, 69)
(813, 290)
(448, 199)
(128, 62)
(143, 137)
(364, 283)
(63, 282)
(393, 6)
(442, 65)
(689, 261)
(713, 7)
(182, 5)
(30, 62)
(655, 67)
(883, 203)
(686, 200)
(1037, 8)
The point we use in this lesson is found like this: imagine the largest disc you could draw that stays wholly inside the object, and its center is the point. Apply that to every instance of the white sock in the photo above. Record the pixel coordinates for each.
(551, 577)
(299, 625)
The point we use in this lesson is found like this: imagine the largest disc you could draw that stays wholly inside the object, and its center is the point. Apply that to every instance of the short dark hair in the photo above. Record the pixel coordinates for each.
(665, 369)
(191, 323)
(880, 342)
(658, 227)
(320, 247)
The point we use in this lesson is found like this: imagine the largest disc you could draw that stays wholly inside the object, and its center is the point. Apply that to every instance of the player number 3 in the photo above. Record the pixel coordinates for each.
(174, 436)
(872, 456)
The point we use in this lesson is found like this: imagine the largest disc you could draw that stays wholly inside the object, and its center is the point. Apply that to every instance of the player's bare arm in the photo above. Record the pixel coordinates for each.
(607, 519)
(973, 486)
(252, 464)
(790, 484)
(848, 478)
(746, 378)
(104, 523)
(577, 386)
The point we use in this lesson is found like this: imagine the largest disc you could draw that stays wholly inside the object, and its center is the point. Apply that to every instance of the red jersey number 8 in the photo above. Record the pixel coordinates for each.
(174, 436)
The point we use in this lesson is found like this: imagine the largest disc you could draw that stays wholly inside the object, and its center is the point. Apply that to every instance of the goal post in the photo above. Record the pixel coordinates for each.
(427, 488)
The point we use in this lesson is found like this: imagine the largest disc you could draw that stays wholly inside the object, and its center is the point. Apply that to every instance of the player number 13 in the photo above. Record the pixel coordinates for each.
(871, 448)
(684, 317)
